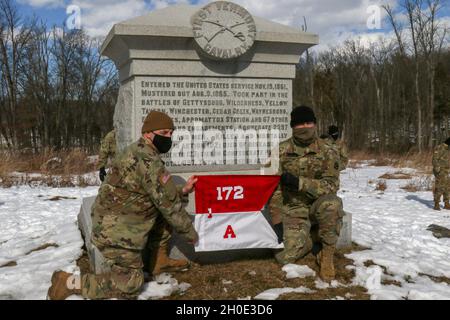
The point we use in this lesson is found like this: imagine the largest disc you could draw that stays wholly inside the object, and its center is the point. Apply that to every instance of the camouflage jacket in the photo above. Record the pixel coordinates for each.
(441, 159)
(317, 167)
(342, 151)
(136, 191)
(107, 149)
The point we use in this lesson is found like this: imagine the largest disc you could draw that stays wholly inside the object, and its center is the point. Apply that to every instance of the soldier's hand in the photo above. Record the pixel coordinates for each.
(190, 185)
(289, 180)
(102, 174)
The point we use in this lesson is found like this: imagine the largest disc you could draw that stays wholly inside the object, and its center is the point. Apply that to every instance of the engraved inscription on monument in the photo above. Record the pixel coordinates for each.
(221, 107)
(224, 30)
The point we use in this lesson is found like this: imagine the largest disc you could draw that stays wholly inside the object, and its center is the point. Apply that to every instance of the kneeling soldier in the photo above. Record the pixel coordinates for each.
(138, 198)
(306, 196)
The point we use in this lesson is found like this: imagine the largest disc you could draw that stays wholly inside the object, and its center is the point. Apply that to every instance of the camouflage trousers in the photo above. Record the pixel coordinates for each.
(321, 222)
(126, 275)
(159, 236)
(124, 280)
(441, 185)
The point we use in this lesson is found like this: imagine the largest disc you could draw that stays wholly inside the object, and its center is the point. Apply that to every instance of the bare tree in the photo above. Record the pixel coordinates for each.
(14, 36)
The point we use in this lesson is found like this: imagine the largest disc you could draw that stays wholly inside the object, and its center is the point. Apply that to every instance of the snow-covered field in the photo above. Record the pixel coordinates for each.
(392, 223)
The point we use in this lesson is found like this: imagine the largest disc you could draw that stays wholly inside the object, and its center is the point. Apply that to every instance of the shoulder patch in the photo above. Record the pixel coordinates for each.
(164, 177)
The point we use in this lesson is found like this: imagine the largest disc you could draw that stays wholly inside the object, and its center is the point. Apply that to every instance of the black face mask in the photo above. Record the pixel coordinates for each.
(163, 144)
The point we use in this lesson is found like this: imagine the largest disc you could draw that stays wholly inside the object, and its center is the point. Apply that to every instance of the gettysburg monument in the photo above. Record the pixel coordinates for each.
(224, 76)
(216, 66)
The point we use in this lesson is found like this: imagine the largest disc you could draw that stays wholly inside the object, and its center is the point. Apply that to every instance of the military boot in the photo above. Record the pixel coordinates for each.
(436, 205)
(446, 205)
(160, 262)
(59, 289)
(325, 260)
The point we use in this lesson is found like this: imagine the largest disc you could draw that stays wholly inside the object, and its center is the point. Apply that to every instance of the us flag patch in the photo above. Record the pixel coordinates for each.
(164, 177)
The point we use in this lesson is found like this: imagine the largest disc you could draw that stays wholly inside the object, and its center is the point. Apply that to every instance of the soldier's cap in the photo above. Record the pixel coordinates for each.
(302, 114)
(157, 120)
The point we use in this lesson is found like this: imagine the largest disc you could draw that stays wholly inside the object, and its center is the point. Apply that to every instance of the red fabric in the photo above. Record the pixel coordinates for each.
(237, 193)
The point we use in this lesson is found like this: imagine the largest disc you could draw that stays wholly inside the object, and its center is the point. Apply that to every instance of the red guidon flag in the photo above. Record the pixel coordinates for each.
(229, 212)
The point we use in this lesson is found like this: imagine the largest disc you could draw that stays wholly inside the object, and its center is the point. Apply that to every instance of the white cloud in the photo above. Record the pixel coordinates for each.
(98, 17)
(42, 3)
(333, 21)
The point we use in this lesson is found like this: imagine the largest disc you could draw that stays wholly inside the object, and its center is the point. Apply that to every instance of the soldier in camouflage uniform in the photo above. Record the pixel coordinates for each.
(333, 138)
(306, 196)
(441, 169)
(137, 197)
(107, 152)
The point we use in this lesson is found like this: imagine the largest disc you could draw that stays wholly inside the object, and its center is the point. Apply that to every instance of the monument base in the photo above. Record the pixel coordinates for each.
(180, 249)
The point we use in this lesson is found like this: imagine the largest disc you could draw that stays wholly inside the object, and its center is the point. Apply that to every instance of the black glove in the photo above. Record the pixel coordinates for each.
(278, 228)
(289, 180)
(102, 174)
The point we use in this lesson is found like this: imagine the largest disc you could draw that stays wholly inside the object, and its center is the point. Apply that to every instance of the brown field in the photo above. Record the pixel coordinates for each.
(248, 278)
(420, 161)
(55, 168)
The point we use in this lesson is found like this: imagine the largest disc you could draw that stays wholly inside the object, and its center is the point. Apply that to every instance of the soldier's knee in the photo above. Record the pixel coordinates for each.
(294, 248)
(283, 258)
(128, 281)
(329, 204)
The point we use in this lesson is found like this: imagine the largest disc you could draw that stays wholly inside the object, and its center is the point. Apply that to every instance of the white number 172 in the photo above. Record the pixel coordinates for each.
(238, 192)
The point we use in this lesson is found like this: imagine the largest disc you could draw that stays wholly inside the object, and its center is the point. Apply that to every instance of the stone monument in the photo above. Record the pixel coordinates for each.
(221, 73)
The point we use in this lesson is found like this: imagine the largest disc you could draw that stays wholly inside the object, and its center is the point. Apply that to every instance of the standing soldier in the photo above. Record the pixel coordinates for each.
(107, 152)
(306, 196)
(441, 168)
(138, 196)
(333, 138)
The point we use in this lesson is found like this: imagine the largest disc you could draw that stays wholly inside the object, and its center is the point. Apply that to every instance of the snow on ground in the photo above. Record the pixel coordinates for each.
(163, 286)
(298, 271)
(392, 223)
(273, 294)
(28, 221)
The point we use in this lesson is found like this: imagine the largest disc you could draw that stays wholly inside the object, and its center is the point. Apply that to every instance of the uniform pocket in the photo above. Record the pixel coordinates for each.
(124, 231)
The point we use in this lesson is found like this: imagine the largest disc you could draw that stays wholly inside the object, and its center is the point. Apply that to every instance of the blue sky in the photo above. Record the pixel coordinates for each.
(334, 21)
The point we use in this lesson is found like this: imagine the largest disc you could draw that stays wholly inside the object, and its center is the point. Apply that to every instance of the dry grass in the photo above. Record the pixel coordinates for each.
(55, 168)
(421, 161)
(57, 198)
(381, 185)
(74, 161)
(399, 175)
(251, 277)
(43, 247)
(47, 180)
(207, 280)
(442, 279)
(437, 279)
(423, 183)
(6, 164)
(9, 264)
(385, 282)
